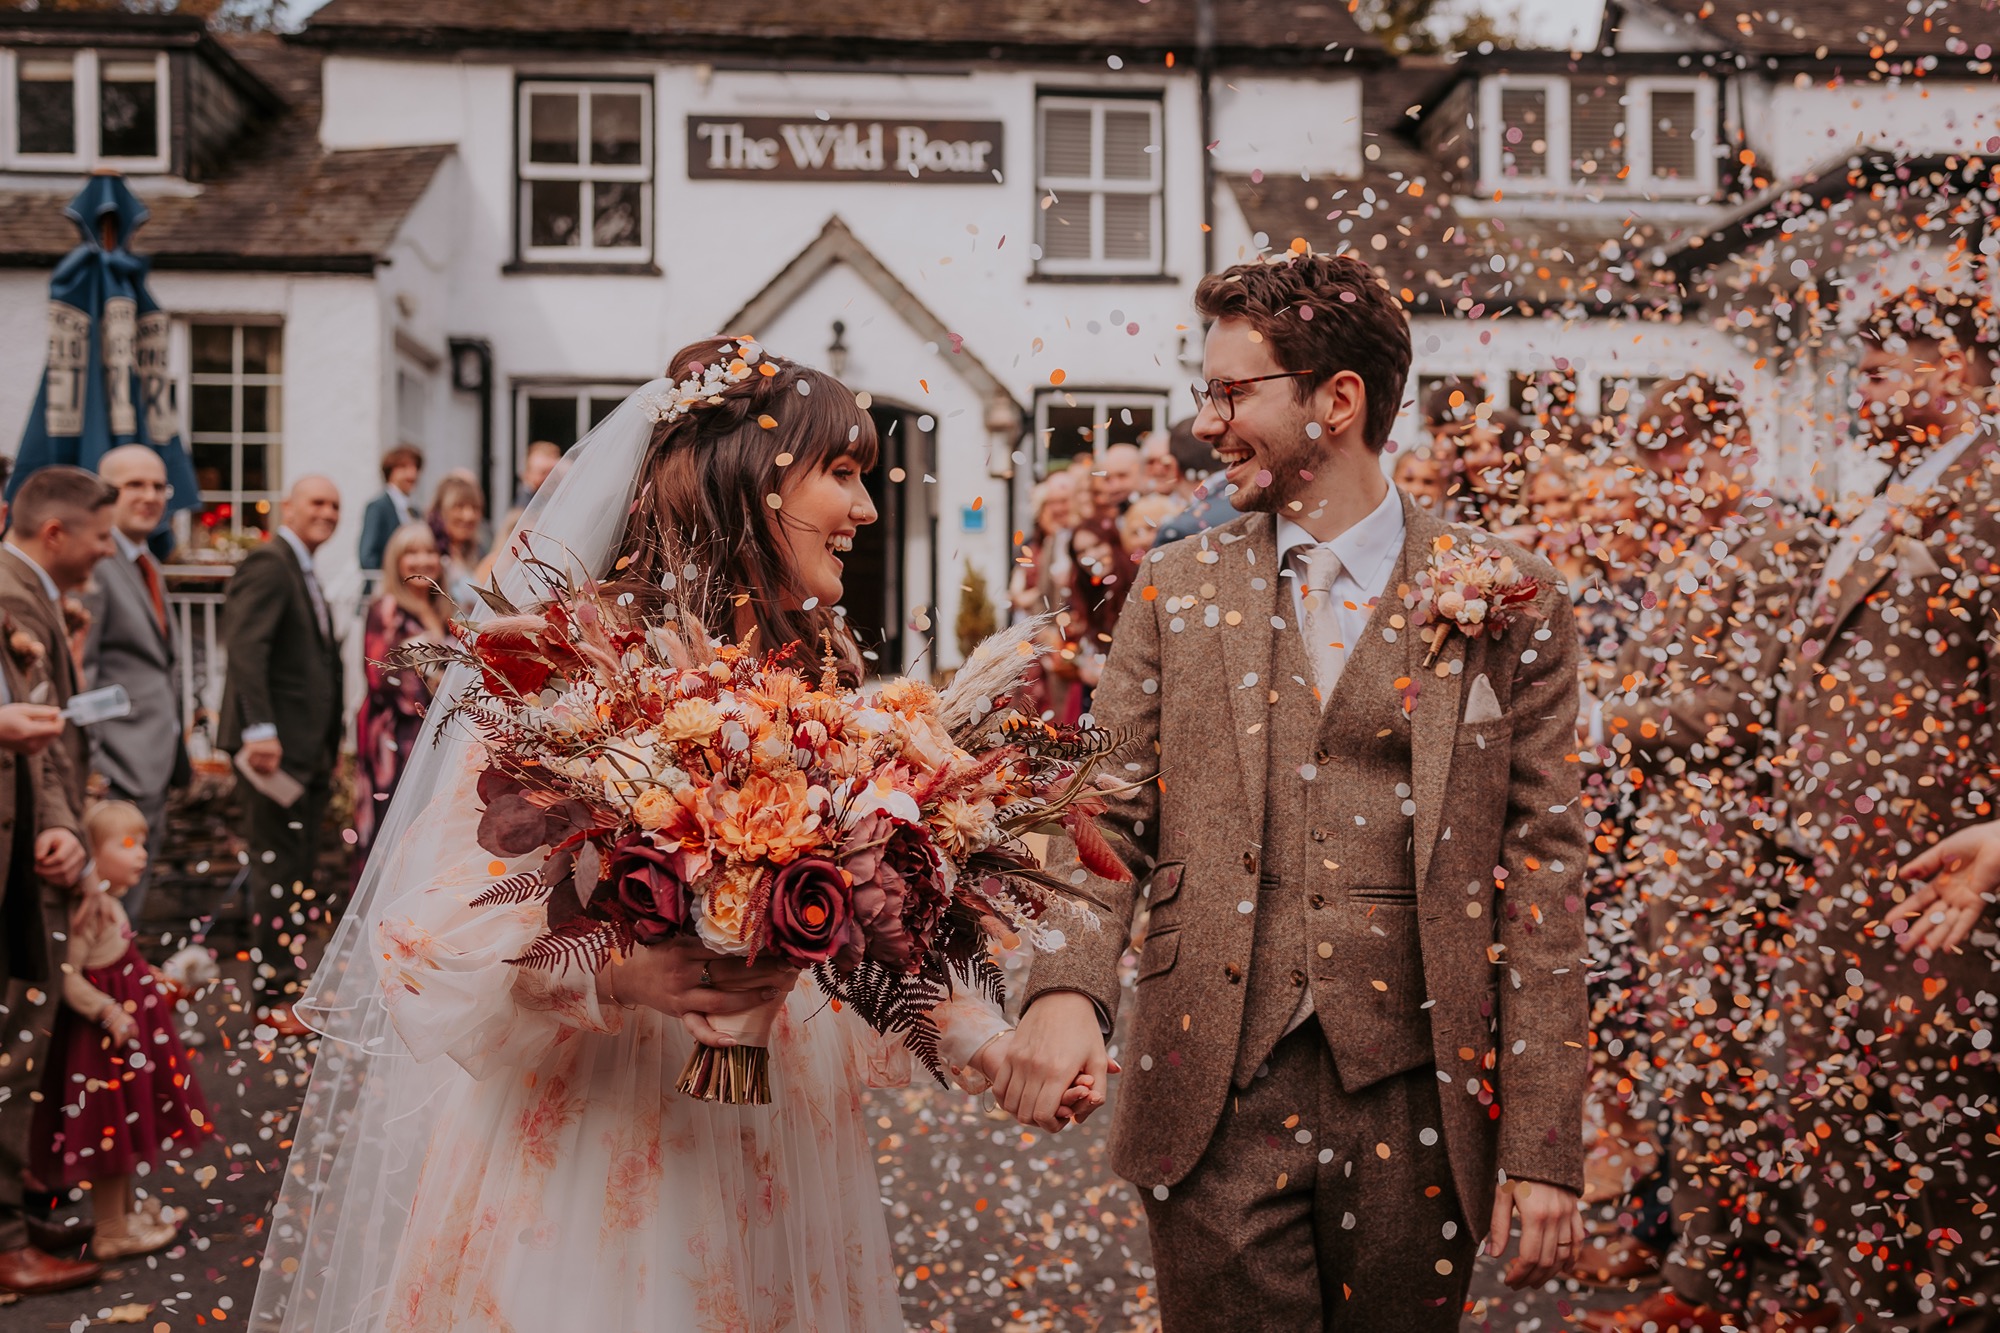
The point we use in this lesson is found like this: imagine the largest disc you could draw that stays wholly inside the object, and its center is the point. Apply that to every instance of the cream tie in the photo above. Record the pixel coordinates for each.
(1317, 567)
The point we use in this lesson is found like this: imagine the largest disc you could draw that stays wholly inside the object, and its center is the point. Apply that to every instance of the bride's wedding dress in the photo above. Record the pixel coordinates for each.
(487, 1147)
(569, 1185)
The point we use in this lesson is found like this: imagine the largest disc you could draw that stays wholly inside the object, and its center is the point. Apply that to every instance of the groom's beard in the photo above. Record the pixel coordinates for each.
(1284, 462)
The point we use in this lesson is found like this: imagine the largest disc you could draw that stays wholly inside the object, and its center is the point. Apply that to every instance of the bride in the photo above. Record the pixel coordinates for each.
(489, 1147)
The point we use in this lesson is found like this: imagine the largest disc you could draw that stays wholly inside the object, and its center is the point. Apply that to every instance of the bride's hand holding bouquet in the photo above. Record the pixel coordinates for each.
(685, 980)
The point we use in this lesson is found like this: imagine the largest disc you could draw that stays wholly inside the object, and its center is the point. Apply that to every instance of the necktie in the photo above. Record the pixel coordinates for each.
(319, 603)
(1317, 567)
(150, 572)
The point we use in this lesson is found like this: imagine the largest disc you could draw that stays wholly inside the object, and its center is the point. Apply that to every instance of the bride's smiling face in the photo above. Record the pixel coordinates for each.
(821, 510)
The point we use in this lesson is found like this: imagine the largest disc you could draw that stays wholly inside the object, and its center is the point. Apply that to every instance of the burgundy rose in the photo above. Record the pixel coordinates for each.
(897, 895)
(809, 911)
(646, 888)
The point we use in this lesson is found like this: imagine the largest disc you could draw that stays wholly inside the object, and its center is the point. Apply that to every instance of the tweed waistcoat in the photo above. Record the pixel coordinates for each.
(1337, 901)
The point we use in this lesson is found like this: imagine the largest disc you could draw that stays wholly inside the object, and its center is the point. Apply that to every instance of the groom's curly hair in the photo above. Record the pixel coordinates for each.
(1322, 314)
(705, 492)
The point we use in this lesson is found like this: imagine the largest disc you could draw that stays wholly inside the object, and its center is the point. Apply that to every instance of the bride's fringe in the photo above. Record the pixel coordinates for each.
(733, 1075)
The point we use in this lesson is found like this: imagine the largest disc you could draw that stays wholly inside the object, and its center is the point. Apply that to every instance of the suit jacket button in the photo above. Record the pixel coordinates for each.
(1250, 862)
(1319, 835)
(1323, 758)
(1298, 977)
(1233, 972)
(1317, 901)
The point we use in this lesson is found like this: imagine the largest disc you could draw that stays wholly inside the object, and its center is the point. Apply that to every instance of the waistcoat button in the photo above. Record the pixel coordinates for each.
(1317, 901)
(1319, 835)
(1298, 977)
(1233, 972)
(1250, 862)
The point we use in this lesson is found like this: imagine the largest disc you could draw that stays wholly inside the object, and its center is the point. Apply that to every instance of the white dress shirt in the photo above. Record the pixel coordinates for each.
(1368, 553)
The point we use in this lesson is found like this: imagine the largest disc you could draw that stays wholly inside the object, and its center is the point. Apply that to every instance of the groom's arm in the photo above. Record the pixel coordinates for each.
(1072, 991)
(1539, 921)
(1126, 702)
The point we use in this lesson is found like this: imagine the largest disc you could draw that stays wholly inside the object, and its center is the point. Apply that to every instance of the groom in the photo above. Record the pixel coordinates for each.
(1359, 1043)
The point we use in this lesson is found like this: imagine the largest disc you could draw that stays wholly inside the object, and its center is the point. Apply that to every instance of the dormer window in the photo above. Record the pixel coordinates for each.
(1553, 134)
(77, 110)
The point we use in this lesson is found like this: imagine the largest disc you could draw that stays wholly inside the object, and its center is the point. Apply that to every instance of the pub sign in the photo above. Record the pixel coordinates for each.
(805, 148)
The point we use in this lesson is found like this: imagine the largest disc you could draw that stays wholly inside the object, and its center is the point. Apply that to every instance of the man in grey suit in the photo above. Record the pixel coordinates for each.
(130, 643)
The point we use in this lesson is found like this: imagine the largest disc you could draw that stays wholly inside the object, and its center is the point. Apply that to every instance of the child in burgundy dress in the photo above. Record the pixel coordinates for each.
(119, 1091)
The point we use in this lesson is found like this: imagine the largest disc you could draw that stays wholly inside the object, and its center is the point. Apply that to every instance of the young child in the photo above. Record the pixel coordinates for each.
(119, 1087)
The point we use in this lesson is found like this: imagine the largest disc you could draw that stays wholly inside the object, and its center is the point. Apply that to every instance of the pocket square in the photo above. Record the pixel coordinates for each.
(1481, 704)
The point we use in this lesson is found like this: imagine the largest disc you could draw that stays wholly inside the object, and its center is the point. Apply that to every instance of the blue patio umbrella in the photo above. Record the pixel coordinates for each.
(106, 381)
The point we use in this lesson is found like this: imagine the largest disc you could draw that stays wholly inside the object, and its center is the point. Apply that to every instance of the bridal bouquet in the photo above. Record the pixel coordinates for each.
(672, 785)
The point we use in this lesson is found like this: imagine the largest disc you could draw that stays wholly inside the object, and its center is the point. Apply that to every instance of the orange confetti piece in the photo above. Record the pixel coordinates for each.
(767, 421)
(1057, 376)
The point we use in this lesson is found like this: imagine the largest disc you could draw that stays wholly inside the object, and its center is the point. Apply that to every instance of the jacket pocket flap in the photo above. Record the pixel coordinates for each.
(1161, 950)
(1165, 886)
(1405, 894)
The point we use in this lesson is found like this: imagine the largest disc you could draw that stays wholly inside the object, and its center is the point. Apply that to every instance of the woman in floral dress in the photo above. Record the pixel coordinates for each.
(409, 607)
(492, 1147)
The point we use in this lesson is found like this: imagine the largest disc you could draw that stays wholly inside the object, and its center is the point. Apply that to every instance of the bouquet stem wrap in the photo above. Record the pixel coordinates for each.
(738, 1075)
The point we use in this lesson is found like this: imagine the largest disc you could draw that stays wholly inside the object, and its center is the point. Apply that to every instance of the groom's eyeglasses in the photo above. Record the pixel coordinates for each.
(1224, 393)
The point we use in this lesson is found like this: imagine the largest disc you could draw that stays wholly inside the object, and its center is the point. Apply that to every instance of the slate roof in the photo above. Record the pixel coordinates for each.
(280, 203)
(1560, 259)
(1842, 27)
(1278, 31)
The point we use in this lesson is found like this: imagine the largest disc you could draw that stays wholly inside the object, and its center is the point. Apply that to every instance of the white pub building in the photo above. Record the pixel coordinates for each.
(473, 224)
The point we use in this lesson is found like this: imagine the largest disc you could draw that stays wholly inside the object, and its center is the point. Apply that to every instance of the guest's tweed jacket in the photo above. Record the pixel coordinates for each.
(1496, 845)
(24, 599)
(27, 952)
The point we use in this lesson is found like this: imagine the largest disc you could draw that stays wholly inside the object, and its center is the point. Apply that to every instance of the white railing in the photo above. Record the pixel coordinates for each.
(194, 605)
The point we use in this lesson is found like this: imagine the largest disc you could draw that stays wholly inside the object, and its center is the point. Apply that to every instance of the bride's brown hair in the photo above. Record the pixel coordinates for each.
(705, 488)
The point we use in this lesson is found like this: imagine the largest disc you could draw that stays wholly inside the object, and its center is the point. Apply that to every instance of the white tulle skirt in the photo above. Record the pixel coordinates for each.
(588, 1194)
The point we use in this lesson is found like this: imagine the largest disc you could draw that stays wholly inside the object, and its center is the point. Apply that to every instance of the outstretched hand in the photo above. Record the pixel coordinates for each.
(1956, 881)
(1551, 1230)
(1056, 1051)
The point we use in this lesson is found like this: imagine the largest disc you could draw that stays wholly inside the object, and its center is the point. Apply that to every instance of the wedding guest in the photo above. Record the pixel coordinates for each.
(457, 513)
(281, 713)
(60, 528)
(1420, 474)
(1716, 904)
(1116, 476)
(1176, 461)
(1041, 574)
(130, 643)
(541, 460)
(402, 467)
(1489, 449)
(1139, 526)
(119, 1094)
(1885, 741)
(410, 607)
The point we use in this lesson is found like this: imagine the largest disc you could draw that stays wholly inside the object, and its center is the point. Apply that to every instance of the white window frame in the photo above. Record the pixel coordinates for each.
(87, 64)
(1103, 404)
(1097, 186)
(1635, 98)
(586, 251)
(273, 440)
(581, 390)
(1639, 147)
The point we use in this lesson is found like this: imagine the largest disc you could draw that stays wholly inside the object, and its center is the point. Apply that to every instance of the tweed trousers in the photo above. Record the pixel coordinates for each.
(1315, 1208)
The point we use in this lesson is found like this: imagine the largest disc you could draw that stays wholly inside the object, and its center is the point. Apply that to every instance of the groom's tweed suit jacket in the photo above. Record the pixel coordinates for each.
(1421, 874)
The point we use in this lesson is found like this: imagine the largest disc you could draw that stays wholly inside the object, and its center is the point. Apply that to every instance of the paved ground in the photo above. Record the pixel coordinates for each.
(994, 1228)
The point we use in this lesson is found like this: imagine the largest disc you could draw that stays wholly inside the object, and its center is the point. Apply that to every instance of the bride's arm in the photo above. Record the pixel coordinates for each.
(447, 980)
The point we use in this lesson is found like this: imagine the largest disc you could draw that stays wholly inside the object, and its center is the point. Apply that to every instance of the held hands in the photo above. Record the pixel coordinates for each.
(28, 728)
(1053, 1070)
(669, 977)
(1551, 1230)
(263, 756)
(1956, 881)
(1077, 1103)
